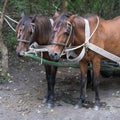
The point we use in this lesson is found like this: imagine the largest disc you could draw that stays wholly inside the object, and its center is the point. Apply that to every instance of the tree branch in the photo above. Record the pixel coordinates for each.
(3, 12)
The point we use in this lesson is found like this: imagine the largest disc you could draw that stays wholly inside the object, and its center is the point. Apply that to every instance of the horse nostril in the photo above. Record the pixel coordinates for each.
(55, 54)
(51, 56)
(18, 54)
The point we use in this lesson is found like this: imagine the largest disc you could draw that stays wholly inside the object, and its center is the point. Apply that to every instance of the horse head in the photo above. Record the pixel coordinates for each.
(61, 36)
(25, 29)
(33, 29)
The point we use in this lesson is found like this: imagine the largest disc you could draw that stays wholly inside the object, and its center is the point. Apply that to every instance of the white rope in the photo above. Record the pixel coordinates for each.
(87, 38)
(7, 17)
(9, 25)
(93, 47)
(103, 52)
(74, 48)
(33, 48)
(82, 53)
(98, 21)
(51, 21)
(10, 18)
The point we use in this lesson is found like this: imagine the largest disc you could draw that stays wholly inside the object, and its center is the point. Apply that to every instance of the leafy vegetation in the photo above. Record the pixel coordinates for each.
(105, 8)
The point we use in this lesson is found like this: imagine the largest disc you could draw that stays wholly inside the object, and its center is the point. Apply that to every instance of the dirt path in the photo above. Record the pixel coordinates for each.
(19, 95)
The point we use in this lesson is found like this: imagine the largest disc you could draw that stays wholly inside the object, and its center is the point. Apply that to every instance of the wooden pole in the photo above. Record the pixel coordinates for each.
(4, 50)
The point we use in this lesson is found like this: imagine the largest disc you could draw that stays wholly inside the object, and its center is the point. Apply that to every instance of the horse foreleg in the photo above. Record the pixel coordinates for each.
(90, 75)
(50, 76)
(96, 81)
(83, 84)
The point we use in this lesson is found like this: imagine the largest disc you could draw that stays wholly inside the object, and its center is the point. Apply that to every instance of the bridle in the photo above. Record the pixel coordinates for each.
(69, 31)
(32, 26)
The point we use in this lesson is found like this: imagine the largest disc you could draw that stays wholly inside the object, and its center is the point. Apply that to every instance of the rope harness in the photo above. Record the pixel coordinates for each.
(91, 46)
(33, 48)
(84, 45)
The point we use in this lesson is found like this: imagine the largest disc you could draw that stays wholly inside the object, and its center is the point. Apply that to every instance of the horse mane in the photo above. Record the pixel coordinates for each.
(42, 28)
(63, 17)
(87, 16)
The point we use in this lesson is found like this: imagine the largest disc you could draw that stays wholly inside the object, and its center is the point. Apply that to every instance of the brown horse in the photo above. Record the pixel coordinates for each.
(69, 30)
(37, 28)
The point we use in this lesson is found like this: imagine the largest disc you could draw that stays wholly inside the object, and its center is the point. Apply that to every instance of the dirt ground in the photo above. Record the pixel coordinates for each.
(21, 96)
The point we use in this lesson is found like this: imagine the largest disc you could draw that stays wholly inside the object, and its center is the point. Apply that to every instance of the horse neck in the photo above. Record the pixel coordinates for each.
(42, 31)
(79, 28)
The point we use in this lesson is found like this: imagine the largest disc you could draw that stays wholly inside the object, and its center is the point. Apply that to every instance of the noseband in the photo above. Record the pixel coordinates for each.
(24, 41)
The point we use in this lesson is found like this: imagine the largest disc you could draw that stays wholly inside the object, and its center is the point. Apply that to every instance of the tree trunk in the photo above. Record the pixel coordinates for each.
(64, 5)
(4, 50)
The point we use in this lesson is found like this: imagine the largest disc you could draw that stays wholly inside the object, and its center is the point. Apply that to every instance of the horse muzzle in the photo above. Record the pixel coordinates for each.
(54, 55)
(20, 53)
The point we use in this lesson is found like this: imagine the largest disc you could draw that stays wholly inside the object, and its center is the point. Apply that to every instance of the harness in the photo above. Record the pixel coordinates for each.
(32, 25)
(86, 45)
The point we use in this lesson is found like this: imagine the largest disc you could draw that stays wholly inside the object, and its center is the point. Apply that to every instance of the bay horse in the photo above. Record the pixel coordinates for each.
(69, 30)
(37, 28)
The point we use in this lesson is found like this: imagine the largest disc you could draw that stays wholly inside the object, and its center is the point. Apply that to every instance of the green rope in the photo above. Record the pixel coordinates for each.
(104, 67)
(59, 64)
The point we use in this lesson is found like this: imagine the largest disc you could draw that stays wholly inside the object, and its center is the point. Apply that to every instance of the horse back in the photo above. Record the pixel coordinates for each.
(107, 35)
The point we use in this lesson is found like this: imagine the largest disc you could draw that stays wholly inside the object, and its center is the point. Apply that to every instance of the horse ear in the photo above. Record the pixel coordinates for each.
(22, 14)
(33, 18)
(71, 18)
(57, 14)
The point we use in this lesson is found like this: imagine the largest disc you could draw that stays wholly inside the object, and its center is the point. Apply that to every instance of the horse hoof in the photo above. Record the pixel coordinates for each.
(96, 108)
(49, 106)
(78, 106)
(44, 100)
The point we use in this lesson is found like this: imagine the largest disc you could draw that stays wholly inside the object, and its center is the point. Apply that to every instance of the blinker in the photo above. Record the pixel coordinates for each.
(68, 29)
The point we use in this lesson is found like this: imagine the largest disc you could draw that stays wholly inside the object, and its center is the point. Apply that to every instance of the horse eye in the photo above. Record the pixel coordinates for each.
(20, 30)
(51, 36)
(30, 32)
(67, 31)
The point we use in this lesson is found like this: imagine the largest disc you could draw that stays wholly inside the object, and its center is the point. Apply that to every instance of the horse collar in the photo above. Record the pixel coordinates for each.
(84, 45)
(82, 54)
